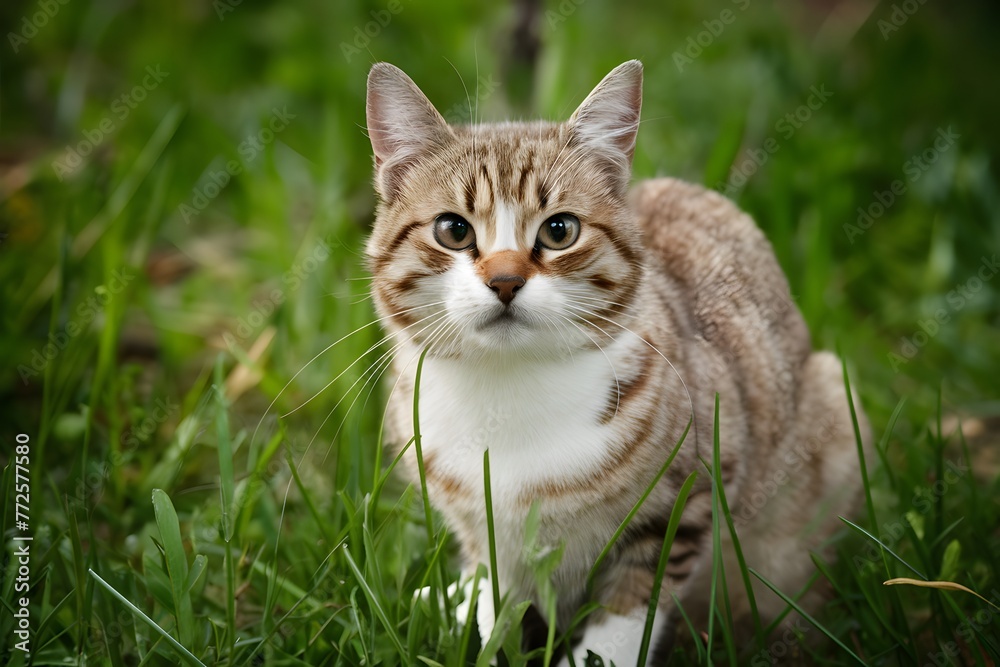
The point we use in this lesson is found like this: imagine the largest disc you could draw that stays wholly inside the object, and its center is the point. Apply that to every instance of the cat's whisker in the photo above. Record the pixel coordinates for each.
(576, 294)
(687, 392)
(454, 325)
(614, 371)
(565, 169)
(399, 377)
(370, 349)
(379, 367)
(555, 162)
(362, 299)
(385, 355)
(552, 326)
(329, 347)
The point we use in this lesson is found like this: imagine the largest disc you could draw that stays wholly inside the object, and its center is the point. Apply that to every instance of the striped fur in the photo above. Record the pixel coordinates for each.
(581, 386)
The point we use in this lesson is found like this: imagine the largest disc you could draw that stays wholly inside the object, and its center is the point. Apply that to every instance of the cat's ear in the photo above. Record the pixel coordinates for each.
(402, 125)
(608, 119)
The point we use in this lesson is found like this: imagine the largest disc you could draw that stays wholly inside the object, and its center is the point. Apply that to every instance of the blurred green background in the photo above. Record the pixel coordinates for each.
(184, 198)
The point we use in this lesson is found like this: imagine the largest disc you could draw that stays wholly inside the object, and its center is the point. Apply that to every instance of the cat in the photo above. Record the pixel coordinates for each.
(576, 328)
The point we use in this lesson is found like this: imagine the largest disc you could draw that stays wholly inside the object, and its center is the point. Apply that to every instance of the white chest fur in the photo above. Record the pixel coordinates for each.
(540, 420)
(542, 424)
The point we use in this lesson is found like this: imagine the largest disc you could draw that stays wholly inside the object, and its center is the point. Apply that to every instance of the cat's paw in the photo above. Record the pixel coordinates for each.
(484, 602)
(424, 593)
(484, 606)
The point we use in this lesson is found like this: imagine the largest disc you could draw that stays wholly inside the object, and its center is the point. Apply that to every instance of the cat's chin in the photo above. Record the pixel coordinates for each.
(500, 337)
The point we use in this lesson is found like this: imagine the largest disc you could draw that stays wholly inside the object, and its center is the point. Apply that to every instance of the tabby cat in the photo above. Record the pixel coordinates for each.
(576, 328)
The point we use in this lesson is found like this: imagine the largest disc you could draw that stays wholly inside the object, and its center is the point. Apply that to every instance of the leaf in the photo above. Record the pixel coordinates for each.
(949, 562)
(177, 567)
(940, 585)
(376, 607)
(197, 569)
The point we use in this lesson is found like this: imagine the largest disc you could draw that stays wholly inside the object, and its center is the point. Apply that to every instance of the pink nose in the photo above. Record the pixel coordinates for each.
(506, 287)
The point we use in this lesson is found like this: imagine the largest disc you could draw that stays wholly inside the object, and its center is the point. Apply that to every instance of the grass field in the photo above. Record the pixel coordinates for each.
(184, 198)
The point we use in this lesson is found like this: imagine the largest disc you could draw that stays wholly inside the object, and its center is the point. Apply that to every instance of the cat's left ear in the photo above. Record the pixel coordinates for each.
(608, 119)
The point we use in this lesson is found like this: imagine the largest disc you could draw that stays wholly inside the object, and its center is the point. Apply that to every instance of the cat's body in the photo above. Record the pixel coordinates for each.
(579, 364)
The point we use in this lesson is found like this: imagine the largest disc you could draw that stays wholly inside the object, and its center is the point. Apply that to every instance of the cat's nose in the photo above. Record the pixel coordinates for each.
(506, 287)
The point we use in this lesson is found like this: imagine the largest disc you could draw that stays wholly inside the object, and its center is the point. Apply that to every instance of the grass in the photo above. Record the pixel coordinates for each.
(206, 468)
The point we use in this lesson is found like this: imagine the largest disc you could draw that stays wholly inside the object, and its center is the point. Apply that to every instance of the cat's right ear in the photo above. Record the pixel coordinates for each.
(608, 119)
(402, 125)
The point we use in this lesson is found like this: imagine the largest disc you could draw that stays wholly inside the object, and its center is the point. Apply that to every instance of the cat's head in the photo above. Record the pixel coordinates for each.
(511, 239)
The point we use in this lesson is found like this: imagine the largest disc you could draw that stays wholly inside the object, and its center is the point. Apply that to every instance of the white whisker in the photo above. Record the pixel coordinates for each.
(324, 351)
(694, 424)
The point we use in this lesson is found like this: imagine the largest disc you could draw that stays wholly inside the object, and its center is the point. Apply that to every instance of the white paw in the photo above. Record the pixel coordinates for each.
(616, 638)
(484, 605)
(425, 593)
(485, 615)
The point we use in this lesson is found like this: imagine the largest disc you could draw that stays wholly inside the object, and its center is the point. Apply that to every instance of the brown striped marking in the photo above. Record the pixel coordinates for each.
(525, 172)
(622, 392)
(449, 485)
(389, 253)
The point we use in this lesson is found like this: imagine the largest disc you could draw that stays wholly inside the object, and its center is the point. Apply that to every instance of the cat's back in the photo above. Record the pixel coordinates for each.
(735, 292)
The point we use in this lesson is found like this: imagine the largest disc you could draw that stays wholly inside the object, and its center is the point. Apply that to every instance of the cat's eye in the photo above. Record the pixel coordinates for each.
(454, 232)
(559, 232)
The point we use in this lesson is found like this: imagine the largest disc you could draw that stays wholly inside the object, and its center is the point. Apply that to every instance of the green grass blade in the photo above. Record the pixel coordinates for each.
(224, 447)
(635, 509)
(883, 445)
(881, 544)
(870, 506)
(138, 613)
(177, 566)
(418, 446)
(661, 566)
(377, 607)
(491, 533)
(724, 503)
(463, 651)
(816, 624)
(226, 491)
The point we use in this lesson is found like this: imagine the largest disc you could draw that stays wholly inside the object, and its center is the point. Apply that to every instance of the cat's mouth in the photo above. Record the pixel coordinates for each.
(503, 319)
